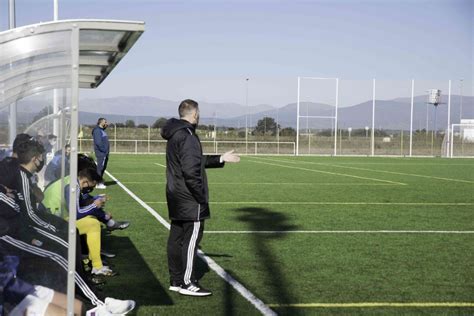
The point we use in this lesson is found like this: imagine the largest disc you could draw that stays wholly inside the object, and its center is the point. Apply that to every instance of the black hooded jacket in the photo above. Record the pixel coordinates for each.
(187, 192)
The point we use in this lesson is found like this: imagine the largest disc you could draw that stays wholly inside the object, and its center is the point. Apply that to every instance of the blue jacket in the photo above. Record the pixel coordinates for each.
(13, 289)
(53, 169)
(101, 141)
(85, 205)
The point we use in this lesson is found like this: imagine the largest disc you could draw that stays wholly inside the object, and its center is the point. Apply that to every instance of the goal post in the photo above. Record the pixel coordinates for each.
(461, 139)
(318, 99)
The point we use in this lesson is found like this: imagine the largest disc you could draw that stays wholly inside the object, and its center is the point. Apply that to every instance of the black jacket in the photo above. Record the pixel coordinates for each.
(187, 192)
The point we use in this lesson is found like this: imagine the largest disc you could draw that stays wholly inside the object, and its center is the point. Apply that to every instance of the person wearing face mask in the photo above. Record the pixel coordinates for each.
(187, 195)
(88, 217)
(27, 159)
(89, 213)
(101, 148)
(35, 239)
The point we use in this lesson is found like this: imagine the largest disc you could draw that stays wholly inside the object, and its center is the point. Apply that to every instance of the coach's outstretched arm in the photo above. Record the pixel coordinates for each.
(218, 161)
(230, 157)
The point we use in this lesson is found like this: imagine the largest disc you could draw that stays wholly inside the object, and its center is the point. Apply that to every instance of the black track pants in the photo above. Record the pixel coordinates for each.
(182, 248)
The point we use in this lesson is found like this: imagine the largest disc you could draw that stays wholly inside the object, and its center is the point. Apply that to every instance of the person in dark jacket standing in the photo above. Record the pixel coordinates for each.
(101, 148)
(187, 195)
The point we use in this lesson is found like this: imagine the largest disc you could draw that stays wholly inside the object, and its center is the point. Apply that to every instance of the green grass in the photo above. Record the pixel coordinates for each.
(306, 194)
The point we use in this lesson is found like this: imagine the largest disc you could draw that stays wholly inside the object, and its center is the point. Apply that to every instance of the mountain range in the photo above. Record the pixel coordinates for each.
(389, 114)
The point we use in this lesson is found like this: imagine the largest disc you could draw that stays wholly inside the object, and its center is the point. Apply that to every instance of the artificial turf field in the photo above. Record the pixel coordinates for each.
(306, 236)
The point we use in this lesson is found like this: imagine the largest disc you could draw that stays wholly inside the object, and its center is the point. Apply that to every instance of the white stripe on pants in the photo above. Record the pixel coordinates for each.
(191, 251)
(59, 260)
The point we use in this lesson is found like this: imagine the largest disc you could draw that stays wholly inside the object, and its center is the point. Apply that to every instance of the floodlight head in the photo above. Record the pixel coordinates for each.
(434, 96)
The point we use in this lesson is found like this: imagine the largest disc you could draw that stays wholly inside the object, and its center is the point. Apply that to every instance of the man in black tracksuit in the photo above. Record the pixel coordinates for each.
(187, 195)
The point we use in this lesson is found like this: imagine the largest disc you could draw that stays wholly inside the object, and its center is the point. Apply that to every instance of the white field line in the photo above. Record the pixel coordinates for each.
(325, 172)
(339, 232)
(373, 170)
(376, 304)
(158, 164)
(249, 296)
(331, 203)
(404, 164)
(149, 173)
(272, 183)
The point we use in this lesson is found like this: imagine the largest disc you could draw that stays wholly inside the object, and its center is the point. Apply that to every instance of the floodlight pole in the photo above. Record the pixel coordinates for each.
(373, 120)
(12, 118)
(335, 116)
(246, 115)
(460, 106)
(449, 118)
(411, 115)
(298, 119)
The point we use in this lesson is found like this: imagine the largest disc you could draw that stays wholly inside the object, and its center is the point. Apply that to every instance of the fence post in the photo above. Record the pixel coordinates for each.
(136, 146)
(255, 148)
(115, 138)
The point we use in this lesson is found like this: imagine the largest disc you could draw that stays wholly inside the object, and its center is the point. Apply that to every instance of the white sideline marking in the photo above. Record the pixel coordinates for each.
(149, 173)
(333, 203)
(271, 183)
(158, 164)
(249, 296)
(421, 163)
(365, 169)
(376, 304)
(326, 172)
(339, 232)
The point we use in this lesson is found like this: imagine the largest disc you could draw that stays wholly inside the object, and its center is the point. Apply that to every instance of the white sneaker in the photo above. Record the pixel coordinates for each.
(105, 271)
(115, 306)
(100, 186)
(98, 311)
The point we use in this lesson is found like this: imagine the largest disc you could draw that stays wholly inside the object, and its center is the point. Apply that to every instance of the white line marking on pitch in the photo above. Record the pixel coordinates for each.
(366, 169)
(326, 172)
(331, 203)
(339, 232)
(149, 173)
(376, 304)
(249, 296)
(158, 164)
(272, 183)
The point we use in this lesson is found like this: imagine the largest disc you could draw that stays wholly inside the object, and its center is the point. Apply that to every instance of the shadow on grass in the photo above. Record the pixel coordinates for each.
(201, 268)
(258, 219)
(136, 281)
(109, 183)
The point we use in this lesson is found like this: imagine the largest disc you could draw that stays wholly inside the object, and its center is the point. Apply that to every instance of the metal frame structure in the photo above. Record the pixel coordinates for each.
(446, 151)
(451, 137)
(298, 116)
(29, 64)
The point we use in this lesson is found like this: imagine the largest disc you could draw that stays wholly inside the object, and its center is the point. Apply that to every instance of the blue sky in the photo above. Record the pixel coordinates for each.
(206, 49)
